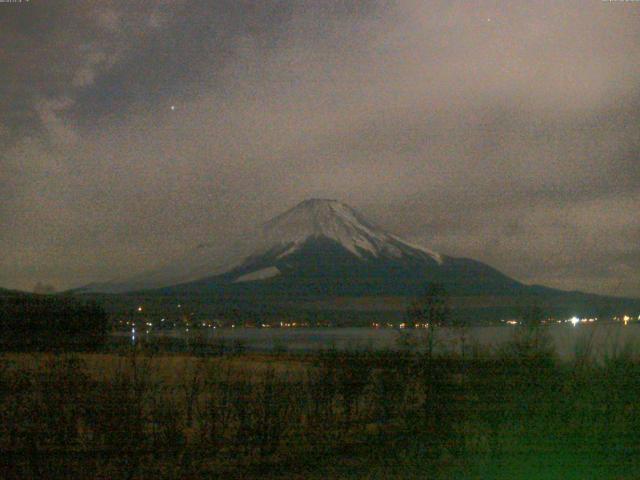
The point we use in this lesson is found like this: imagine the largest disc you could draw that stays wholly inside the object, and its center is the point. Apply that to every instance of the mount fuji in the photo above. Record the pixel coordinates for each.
(325, 248)
(323, 254)
(319, 247)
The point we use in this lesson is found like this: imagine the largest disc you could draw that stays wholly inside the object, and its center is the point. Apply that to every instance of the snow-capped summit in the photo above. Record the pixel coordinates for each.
(336, 221)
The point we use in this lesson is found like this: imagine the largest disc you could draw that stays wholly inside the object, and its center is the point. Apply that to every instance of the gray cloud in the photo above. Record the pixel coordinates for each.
(507, 133)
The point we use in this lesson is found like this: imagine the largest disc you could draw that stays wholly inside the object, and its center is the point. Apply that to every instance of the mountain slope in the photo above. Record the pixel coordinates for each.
(202, 261)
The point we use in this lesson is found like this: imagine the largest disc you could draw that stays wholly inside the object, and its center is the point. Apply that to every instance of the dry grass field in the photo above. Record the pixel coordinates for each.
(516, 413)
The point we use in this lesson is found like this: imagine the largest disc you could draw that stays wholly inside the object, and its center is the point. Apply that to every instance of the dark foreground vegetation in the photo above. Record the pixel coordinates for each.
(513, 414)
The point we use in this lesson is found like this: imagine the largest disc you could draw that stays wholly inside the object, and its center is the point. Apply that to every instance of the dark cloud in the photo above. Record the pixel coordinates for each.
(503, 132)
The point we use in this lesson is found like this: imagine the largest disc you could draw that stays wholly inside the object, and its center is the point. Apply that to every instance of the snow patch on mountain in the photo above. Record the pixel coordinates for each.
(436, 256)
(262, 274)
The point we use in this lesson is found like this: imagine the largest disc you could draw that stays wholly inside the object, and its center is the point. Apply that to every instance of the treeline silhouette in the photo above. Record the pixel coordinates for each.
(50, 322)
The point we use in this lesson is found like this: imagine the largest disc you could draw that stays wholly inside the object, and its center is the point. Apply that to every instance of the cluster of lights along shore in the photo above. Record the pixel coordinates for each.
(186, 321)
(625, 319)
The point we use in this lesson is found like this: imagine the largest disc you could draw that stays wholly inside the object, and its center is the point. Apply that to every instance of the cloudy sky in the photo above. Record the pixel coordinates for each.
(508, 132)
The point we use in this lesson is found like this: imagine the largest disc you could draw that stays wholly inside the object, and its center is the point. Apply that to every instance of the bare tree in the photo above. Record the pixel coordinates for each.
(432, 311)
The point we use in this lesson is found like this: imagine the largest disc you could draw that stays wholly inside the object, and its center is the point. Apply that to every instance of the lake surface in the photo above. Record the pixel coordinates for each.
(602, 339)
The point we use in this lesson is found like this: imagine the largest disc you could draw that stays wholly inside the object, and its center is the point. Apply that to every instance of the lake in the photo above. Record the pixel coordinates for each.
(603, 339)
